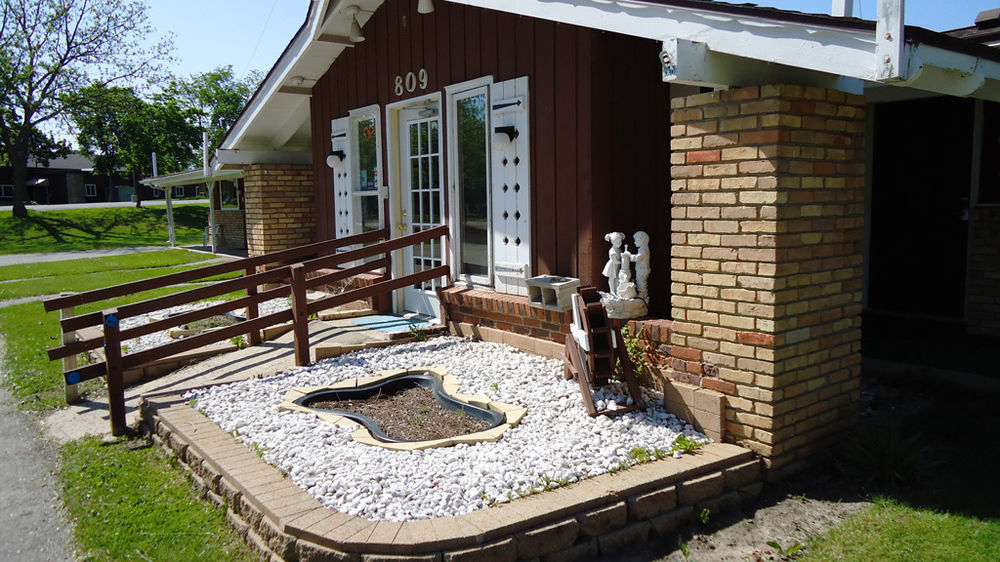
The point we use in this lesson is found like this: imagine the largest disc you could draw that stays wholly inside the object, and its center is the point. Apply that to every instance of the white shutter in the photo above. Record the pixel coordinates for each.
(340, 130)
(511, 186)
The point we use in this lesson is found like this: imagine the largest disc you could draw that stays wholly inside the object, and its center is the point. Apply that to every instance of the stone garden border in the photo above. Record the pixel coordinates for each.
(597, 515)
(512, 414)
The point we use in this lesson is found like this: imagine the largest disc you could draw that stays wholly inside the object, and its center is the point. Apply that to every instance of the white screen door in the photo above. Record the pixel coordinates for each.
(422, 204)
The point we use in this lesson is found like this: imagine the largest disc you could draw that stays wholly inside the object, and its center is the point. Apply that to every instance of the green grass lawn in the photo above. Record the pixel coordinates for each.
(891, 531)
(126, 504)
(135, 503)
(88, 229)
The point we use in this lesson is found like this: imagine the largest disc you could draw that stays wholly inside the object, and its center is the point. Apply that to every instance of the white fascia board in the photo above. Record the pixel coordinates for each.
(956, 74)
(190, 177)
(843, 52)
(687, 62)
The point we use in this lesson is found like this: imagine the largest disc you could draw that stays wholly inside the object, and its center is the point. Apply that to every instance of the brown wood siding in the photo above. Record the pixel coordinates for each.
(581, 89)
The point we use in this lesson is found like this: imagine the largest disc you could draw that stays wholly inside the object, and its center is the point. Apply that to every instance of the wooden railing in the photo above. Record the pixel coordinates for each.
(288, 269)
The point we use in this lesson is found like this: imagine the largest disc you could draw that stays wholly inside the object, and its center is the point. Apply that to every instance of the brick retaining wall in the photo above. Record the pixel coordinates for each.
(600, 515)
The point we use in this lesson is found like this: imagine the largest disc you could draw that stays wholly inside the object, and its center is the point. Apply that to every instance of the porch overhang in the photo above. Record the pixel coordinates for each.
(717, 44)
(190, 177)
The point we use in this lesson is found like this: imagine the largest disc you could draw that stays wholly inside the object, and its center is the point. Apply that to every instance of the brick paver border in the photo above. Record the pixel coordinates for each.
(597, 515)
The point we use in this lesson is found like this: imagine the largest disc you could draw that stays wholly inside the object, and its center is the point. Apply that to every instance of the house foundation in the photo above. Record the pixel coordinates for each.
(767, 261)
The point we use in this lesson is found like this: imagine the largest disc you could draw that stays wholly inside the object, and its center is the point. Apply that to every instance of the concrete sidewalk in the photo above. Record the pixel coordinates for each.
(90, 417)
(32, 528)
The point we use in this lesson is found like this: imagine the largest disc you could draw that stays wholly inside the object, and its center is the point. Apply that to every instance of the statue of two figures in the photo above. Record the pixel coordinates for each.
(627, 298)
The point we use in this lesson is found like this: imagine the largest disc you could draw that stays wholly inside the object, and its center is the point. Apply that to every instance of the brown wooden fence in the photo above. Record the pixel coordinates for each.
(288, 269)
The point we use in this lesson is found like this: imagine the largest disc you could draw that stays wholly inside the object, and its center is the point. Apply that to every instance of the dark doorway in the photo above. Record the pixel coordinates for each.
(921, 174)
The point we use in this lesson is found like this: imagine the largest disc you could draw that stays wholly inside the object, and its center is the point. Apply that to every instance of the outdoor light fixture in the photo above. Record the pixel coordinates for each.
(335, 158)
(425, 6)
(503, 137)
(356, 35)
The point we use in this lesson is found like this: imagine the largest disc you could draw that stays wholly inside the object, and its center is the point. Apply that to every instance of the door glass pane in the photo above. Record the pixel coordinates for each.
(472, 182)
(414, 145)
(367, 155)
(434, 136)
(366, 211)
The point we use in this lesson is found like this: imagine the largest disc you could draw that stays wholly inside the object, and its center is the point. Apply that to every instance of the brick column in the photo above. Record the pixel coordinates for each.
(983, 300)
(767, 245)
(280, 207)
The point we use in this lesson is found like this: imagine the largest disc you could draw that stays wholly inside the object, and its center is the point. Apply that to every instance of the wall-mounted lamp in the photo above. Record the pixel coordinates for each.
(425, 6)
(335, 158)
(356, 35)
(503, 137)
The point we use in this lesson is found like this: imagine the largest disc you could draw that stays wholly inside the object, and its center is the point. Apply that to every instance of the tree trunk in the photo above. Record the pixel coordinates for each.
(20, 165)
(138, 194)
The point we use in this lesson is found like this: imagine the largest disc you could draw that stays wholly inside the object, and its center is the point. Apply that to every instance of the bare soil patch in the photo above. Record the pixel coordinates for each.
(411, 414)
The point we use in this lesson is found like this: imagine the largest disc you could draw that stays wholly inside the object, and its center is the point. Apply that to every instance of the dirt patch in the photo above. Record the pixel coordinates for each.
(411, 414)
(217, 321)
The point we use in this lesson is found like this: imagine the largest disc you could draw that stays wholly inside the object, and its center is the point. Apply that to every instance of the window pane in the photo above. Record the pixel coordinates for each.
(434, 137)
(366, 213)
(367, 156)
(472, 179)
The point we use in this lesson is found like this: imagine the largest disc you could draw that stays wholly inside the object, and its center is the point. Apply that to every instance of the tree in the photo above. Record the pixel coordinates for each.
(219, 98)
(119, 130)
(48, 50)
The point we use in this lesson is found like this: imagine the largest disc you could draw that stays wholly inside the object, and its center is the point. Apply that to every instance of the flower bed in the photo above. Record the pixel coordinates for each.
(555, 444)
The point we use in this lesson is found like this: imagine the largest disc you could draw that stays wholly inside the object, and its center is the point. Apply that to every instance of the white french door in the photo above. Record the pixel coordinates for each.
(421, 203)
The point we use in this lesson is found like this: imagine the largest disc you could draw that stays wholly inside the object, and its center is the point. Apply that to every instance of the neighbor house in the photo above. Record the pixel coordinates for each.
(793, 170)
(68, 179)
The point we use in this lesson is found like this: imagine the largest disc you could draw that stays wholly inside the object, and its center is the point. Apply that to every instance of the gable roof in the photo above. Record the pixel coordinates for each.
(704, 42)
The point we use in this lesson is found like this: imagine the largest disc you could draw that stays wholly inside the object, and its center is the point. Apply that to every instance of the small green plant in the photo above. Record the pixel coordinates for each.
(637, 349)
(416, 420)
(239, 341)
(685, 444)
(258, 449)
(704, 515)
(460, 412)
(685, 551)
(313, 316)
(417, 334)
(885, 458)
(495, 387)
(790, 553)
(125, 349)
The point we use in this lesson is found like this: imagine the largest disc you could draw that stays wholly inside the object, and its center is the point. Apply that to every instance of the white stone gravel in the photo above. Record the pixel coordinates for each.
(556, 441)
(158, 339)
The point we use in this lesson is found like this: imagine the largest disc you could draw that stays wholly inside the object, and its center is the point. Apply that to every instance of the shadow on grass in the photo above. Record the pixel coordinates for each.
(82, 229)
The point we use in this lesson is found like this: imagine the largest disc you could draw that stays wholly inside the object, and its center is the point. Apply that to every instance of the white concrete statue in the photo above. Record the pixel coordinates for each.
(614, 259)
(641, 261)
(627, 298)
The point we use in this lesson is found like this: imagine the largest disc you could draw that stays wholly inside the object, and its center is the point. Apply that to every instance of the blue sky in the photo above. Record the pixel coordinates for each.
(251, 34)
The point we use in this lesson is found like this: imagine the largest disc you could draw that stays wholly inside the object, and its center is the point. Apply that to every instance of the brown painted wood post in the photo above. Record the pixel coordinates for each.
(113, 360)
(69, 363)
(300, 315)
(252, 309)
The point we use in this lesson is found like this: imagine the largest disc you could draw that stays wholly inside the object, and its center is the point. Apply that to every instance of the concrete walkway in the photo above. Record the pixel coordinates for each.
(90, 417)
(18, 259)
(32, 528)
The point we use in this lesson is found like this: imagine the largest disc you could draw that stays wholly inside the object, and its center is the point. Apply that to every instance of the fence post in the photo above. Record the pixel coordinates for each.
(69, 363)
(252, 309)
(113, 360)
(300, 315)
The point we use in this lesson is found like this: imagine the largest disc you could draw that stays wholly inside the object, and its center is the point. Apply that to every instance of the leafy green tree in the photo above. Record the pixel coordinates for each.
(49, 49)
(219, 97)
(119, 131)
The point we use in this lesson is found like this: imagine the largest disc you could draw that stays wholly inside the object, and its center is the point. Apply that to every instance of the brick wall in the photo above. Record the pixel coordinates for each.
(232, 233)
(983, 300)
(280, 207)
(767, 205)
(509, 313)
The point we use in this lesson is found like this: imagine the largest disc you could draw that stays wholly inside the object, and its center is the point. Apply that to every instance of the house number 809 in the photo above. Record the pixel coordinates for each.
(411, 81)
